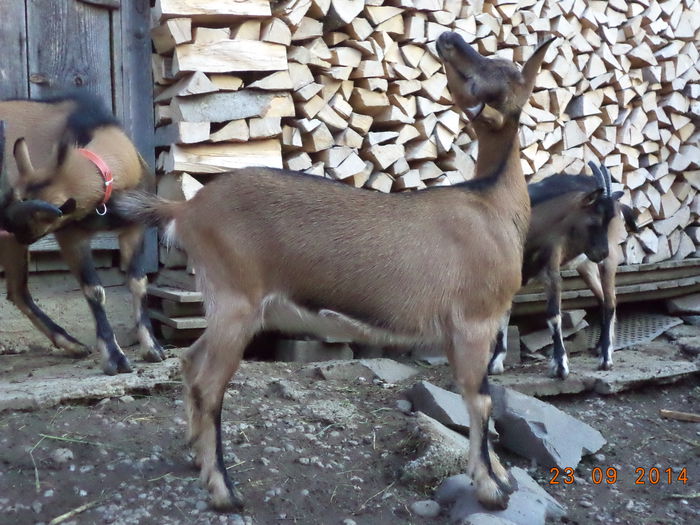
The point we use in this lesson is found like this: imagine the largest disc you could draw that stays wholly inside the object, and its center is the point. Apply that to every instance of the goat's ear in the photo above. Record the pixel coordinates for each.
(24, 162)
(68, 207)
(617, 195)
(591, 198)
(532, 66)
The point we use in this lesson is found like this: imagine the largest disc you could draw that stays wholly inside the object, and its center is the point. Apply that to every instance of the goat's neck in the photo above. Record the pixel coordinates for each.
(499, 150)
(499, 156)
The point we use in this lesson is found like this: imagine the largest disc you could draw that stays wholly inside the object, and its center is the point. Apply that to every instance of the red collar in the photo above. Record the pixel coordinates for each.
(104, 171)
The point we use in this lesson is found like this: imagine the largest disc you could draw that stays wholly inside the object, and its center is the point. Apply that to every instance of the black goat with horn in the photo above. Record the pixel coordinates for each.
(577, 220)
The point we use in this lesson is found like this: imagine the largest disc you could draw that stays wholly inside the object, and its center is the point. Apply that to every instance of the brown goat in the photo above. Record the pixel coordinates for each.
(284, 250)
(67, 194)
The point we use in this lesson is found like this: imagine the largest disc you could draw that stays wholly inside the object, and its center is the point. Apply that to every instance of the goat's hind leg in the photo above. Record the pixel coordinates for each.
(131, 245)
(468, 354)
(14, 258)
(75, 248)
(191, 361)
(500, 348)
(210, 365)
(600, 278)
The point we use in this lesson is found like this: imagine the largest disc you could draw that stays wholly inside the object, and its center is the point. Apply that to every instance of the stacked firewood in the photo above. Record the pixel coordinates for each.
(353, 90)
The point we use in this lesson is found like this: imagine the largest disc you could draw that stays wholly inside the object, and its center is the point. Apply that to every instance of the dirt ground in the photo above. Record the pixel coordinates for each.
(310, 451)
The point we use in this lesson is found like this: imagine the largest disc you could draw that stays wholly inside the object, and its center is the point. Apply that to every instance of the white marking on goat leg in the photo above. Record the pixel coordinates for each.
(73, 348)
(95, 293)
(559, 364)
(606, 361)
(496, 366)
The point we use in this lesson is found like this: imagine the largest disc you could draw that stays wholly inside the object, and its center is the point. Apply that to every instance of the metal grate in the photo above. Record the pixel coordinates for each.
(634, 328)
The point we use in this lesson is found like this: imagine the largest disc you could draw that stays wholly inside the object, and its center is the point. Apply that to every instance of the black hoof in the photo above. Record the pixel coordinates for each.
(117, 365)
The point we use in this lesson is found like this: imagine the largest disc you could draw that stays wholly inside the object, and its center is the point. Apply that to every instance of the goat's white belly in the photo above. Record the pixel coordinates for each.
(280, 313)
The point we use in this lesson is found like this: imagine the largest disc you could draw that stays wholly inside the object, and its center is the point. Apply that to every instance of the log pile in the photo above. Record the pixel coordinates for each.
(353, 90)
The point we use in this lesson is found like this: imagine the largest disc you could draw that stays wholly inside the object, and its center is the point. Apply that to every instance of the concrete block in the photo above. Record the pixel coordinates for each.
(687, 304)
(442, 405)
(529, 504)
(303, 351)
(540, 431)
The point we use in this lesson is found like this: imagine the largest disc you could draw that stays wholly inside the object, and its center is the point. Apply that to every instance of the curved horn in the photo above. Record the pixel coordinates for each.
(607, 178)
(19, 213)
(598, 175)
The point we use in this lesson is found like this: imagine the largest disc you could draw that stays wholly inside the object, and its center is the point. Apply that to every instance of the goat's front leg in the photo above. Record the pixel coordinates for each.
(207, 368)
(132, 252)
(468, 354)
(551, 277)
(606, 344)
(500, 348)
(75, 248)
(14, 258)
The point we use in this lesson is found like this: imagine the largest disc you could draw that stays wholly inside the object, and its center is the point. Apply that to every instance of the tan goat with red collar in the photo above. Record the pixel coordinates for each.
(72, 160)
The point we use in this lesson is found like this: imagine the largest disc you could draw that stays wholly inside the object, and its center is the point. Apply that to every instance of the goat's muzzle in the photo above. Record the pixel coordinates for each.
(28, 220)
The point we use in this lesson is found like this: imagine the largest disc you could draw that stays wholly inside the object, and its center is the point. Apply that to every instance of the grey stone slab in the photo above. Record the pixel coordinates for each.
(441, 453)
(529, 504)
(537, 384)
(540, 431)
(634, 369)
(52, 385)
(650, 364)
(688, 304)
(385, 369)
(442, 405)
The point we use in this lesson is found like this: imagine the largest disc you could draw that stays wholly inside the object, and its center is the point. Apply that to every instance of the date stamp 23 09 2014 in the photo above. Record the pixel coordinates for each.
(611, 476)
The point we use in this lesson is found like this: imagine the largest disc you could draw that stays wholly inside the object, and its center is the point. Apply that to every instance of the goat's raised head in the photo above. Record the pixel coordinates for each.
(490, 91)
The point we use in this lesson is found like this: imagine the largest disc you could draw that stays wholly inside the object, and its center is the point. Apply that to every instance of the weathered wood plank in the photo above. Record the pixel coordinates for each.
(13, 35)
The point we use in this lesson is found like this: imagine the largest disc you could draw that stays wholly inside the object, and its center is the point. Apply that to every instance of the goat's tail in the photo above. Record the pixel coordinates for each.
(146, 208)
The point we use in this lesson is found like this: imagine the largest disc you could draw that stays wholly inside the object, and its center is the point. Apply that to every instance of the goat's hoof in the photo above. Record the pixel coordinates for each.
(605, 365)
(154, 354)
(558, 370)
(71, 346)
(492, 496)
(496, 369)
(227, 501)
(120, 365)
